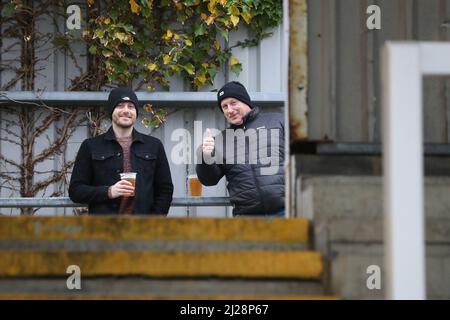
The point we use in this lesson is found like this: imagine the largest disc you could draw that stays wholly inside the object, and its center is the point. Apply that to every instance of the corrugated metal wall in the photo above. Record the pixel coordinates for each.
(344, 98)
(261, 73)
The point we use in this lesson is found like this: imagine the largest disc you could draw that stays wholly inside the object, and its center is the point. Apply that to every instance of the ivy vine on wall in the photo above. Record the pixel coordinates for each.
(155, 40)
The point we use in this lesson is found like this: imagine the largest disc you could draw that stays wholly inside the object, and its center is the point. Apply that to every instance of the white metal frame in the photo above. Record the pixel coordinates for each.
(403, 66)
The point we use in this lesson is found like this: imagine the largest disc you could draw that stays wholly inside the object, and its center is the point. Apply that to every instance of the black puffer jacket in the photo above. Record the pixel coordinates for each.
(256, 185)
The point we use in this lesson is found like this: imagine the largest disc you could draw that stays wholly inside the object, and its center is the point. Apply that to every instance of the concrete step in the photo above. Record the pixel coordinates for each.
(251, 264)
(348, 230)
(159, 258)
(135, 228)
(350, 263)
(370, 229)
(361, 196)
(351, 207)
(149, 288)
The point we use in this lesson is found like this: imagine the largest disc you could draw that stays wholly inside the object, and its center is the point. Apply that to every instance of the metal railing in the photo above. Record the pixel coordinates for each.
(357, 149)
(57, 202)
(164, 99)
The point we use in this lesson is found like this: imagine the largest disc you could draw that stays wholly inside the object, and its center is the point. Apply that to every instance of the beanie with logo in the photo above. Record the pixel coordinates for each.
(121, 94)
(234, 89)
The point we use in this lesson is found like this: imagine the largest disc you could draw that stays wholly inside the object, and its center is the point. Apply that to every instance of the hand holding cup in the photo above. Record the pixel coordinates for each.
(122, 188)
(125, 187)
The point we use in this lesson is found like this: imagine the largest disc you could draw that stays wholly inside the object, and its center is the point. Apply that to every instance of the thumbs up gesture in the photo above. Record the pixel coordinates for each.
(208, 143)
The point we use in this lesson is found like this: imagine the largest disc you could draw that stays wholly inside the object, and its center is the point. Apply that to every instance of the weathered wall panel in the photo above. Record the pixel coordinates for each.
(344, 80)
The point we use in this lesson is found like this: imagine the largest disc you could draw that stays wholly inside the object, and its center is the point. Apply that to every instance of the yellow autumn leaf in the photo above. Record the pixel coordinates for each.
(176, 36)
(234, 20)
(212, 6)
(203, 16)
(152, 66)
(107, 21)
(233, 61)
(205, 65)
(200, 80)
(216, 12)
(134, 6)
(247, 17)
(223, 2)
(210, 20)
(179, 6)
(166, 59)
(234, 11)
(216, 45)
(169, 34)
(120, 36)
(188, 42)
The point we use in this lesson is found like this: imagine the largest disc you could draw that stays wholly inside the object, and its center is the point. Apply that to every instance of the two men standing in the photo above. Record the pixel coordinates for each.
(100, 160)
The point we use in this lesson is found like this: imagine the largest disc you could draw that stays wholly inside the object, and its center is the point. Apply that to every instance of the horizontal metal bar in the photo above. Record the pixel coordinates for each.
(66, 202)
(158, 99)
(349, 148)
(430, 149)
(330, 148)
(201, 201)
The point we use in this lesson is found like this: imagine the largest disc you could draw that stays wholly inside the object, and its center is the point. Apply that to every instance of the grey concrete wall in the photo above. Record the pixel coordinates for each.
(348, 219)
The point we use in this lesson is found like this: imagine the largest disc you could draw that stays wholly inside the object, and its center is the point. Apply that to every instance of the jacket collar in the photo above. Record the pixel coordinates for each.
(137, 136)
(247, 118)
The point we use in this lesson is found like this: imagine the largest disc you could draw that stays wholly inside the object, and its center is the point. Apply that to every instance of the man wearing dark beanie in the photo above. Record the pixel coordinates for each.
(254, 187)
(102, 162)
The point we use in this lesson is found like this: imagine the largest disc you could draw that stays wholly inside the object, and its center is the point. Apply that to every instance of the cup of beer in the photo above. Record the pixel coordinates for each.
(131, 177)
(195, 187)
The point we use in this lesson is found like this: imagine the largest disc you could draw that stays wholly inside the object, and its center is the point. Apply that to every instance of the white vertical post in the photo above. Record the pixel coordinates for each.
(403, 171)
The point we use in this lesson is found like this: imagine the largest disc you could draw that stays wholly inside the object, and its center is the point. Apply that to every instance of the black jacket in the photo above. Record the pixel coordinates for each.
(99, 163)
(256, 186)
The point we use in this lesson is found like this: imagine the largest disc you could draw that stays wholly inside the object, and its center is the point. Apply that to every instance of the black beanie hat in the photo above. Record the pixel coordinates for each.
(234, 89)
(121, 94)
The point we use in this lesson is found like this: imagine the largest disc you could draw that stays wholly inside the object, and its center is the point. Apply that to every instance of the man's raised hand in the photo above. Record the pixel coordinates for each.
(208, 143)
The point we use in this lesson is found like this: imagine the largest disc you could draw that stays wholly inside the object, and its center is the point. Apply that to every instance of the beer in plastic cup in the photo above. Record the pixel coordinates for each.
(131, 177)
(195, 187)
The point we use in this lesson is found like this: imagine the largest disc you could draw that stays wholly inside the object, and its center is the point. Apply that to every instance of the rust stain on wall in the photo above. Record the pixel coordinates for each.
(298, 68)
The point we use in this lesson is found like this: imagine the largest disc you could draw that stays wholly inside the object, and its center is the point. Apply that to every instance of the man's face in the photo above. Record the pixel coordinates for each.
(124, 115)
(234, 110)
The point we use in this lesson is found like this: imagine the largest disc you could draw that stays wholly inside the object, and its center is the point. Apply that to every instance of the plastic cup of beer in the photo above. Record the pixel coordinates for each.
(195, 187)
(131, 177)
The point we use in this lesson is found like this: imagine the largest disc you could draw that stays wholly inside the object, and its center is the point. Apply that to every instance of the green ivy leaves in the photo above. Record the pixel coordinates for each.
(153, 41)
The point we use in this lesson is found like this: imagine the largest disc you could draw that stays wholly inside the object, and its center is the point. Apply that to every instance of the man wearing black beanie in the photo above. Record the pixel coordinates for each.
(254, 187)
(96, 177)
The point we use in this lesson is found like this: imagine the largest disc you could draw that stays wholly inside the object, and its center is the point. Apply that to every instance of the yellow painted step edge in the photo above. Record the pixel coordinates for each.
(283, 264)
(115, 228)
